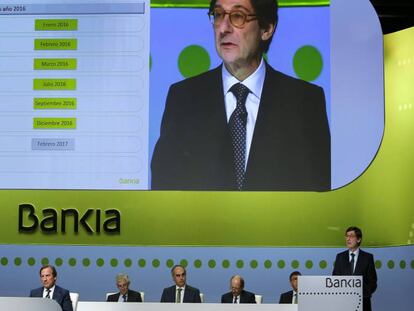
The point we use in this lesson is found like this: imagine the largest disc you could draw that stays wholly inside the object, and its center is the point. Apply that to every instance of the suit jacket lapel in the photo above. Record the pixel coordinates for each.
(347, 263)
(56, 293)
(242, 296)
(186, 294)
(290, 296)
(173, 292)
(218, 134)
(269, 120)
(359, 263)
(213, 99)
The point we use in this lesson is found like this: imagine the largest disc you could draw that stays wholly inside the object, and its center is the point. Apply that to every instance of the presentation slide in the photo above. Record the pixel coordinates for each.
(74, 93)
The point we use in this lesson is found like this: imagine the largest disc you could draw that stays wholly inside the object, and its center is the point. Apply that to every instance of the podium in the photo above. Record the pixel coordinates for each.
(327, 293)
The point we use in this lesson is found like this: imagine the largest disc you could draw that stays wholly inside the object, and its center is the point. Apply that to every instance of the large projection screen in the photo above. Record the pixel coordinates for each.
(258, 214)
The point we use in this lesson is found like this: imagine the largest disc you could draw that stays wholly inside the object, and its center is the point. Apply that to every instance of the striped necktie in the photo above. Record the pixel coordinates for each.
(178, 295)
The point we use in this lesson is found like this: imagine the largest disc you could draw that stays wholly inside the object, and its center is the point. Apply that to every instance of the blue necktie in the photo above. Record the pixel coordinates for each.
(237, 125)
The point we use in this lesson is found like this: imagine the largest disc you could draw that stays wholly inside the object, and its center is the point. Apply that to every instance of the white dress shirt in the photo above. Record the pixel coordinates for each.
(255, 84)
(121, 298)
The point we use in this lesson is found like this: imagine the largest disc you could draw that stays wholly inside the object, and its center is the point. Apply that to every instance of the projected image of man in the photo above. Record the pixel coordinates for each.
(243, 125)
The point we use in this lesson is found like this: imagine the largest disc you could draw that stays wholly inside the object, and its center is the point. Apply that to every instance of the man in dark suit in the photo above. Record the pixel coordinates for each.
(237, 293)
(243, 125)
(355, 261)
(50, 290)
(125, 294)
(292, 295)
(180, 292)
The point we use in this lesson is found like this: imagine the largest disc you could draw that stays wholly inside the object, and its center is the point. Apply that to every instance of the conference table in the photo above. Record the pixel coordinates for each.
(36, 304)
(108, 306)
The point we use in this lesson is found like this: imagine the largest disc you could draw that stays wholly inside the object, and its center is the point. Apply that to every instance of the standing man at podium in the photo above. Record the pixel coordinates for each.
(50, 290)
(355, 261)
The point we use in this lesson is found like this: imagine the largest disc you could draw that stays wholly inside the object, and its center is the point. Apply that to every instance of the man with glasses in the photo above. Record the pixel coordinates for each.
(243, 125)
(180, 292)
(125, 294)
(355, 261)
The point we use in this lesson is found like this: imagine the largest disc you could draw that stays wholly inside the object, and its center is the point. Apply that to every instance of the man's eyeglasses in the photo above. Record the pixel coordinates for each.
(237, 18)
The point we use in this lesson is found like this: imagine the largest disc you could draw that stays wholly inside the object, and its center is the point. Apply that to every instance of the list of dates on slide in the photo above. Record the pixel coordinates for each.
(74, 94)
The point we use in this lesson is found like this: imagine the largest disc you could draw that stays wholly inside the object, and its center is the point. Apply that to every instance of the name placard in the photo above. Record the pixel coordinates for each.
(327, 293)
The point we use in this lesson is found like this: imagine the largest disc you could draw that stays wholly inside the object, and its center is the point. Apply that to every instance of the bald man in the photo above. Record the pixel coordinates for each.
(237, 293)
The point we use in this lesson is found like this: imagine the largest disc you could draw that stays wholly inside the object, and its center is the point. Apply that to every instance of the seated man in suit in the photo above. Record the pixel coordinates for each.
(237, 293)
(355, 261)
(125, 294)
(180, 292)
(50, 290)
(243, 125)
(292, 295)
